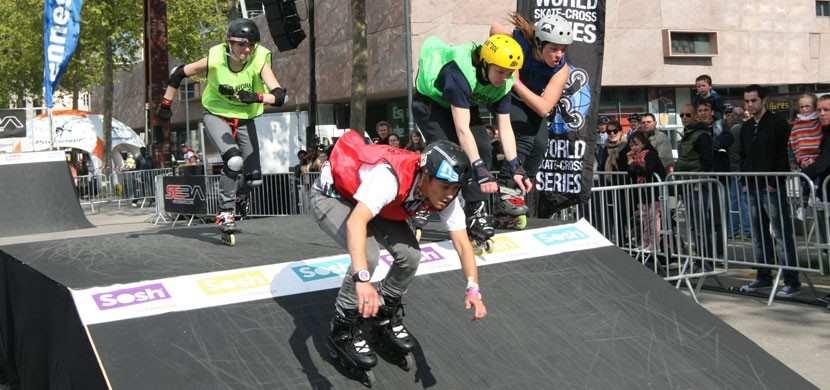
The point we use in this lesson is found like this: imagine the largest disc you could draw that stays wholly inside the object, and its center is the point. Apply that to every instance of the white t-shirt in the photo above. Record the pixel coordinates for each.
(379, 187)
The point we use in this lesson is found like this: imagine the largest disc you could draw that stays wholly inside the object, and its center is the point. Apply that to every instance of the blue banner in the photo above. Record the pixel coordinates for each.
(61, 28)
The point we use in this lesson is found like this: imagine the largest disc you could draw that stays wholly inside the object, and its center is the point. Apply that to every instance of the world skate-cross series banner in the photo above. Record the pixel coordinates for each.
(566, 172)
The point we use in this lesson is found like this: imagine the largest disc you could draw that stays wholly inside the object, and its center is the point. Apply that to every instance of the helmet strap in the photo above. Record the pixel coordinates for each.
(230, 54)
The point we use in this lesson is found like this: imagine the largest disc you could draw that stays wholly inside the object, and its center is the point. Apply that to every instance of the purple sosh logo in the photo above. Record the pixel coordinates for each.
(131, 296)
(428, 255)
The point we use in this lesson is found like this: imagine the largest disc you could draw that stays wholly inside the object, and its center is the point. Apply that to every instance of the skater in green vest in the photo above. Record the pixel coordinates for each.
(240, 82)
(452, 82)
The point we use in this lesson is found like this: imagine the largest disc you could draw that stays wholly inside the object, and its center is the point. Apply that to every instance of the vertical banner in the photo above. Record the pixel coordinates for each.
(566, 172)
(61, 28)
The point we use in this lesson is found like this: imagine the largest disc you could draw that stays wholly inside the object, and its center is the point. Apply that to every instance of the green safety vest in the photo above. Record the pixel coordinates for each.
(435, 54)
(247, 79)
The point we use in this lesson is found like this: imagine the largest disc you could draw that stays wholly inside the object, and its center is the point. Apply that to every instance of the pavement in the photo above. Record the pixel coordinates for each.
(797, 334)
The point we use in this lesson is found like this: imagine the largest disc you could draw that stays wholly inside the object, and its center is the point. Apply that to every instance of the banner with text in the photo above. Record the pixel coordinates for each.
(61, 29)
(185, 195)
(565, 174)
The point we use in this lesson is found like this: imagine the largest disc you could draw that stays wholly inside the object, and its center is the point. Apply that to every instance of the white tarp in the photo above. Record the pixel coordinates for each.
(81, 130)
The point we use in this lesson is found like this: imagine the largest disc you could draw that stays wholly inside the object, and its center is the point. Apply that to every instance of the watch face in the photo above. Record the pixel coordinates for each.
(364, 275)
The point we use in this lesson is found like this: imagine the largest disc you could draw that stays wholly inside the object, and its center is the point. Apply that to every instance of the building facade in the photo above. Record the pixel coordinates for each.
(654, 50)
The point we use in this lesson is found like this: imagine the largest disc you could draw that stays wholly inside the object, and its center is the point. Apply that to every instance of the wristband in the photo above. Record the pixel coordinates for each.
(473, 293)
(471, 283)
(166, 102)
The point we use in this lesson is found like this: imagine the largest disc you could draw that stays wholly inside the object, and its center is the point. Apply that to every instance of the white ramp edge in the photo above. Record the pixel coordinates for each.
(190, 292)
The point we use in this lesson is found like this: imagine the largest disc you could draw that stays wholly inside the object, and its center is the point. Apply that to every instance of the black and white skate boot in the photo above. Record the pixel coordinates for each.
(393, 334)
(242, 207)
(479, 224)
(349, 343)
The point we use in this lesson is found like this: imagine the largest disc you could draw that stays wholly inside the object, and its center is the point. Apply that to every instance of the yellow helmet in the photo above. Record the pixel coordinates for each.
(502, 50)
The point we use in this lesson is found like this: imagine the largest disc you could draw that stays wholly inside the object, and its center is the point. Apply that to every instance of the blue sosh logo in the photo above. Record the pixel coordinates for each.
(560, 235)
(331, 269)
(446, 172)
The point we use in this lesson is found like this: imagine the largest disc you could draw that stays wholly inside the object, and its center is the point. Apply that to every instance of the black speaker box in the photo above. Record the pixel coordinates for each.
(284, 23)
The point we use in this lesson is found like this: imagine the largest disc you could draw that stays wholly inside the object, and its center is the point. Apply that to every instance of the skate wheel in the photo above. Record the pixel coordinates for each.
(488, 247)
(418, 233)
(477, 249)
(229, 238)
(521, 222)
(368, 378)
(407, 362)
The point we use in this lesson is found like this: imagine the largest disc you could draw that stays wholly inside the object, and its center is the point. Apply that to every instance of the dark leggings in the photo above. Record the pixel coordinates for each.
(435, 123)
(531, 137)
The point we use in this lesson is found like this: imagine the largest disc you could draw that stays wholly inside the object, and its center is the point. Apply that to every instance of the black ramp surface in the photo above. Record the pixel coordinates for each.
(38, 198)
(586, 320)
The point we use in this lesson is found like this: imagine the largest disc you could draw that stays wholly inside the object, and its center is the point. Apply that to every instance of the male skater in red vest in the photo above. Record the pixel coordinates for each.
(363, 199)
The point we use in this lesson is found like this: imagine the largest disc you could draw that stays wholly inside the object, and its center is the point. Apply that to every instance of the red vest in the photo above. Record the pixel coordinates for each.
(351, 151)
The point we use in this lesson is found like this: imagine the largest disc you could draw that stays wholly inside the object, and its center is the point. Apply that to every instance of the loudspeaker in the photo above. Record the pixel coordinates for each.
(284, 23)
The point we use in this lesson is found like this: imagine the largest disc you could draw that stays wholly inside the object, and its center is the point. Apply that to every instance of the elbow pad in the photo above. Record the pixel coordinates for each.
(176, 77)
(279, 96)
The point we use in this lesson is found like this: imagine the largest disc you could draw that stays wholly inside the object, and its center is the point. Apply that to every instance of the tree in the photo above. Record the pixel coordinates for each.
(360, 59)
(110, 40)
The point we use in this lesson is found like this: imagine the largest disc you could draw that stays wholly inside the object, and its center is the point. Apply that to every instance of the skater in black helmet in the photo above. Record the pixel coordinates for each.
(363, 198)
(240, 82)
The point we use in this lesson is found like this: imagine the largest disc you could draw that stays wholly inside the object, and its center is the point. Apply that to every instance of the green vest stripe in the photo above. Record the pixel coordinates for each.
(248, 79)
(435, 54)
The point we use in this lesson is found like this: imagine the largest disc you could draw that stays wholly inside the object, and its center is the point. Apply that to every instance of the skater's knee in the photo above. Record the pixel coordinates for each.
(407, 258)
(234, 162)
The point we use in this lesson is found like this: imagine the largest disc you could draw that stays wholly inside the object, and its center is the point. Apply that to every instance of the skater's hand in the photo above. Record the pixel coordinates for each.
(524, 183)
(249, 97)
(368, 302)
(475, 303)
(482, 176)
(489, 188)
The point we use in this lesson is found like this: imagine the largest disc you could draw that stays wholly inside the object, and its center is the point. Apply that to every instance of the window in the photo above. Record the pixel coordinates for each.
(690, 43)
(822, 8)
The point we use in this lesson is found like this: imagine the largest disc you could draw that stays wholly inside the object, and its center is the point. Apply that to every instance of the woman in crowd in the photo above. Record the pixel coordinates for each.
(416, 142)
(643, 163)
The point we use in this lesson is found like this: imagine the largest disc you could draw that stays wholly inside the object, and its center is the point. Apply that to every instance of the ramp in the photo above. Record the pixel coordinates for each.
(38, 195)
(566, 310)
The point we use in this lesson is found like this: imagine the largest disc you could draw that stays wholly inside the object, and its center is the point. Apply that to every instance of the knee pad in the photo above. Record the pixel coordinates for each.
(233, 162)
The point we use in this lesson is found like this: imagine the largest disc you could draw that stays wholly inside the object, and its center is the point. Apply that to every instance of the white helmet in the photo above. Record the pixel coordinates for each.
(553, 29)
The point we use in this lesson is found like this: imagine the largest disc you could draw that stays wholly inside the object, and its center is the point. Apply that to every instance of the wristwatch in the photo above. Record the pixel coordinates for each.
(362, 276)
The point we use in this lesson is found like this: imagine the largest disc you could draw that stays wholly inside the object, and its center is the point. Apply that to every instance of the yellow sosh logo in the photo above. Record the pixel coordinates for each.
(225, 284)
(503, 244)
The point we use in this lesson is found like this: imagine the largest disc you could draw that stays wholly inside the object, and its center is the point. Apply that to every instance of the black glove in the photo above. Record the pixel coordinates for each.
(226, 90)
(481, 174)
(249, 97)
(164, 111)
(513, 168)
(279, 96)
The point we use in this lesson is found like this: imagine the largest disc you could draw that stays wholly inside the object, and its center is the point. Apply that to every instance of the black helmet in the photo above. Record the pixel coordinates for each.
(446, 161)
(243, 28)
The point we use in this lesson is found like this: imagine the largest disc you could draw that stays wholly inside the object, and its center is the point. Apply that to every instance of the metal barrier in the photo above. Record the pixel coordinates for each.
(279, 194)
(118, 187)
(782, 219)
(642, 219)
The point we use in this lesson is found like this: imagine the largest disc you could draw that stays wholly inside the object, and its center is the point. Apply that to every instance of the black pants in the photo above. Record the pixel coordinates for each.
(531, 136)
(435, 123)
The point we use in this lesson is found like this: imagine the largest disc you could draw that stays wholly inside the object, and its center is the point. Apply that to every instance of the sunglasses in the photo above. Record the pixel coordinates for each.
(685, 115)
(612, 131)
